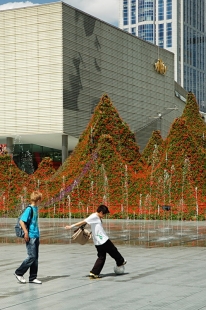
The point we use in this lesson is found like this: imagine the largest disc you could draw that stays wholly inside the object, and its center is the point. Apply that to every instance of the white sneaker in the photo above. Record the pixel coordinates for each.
(36, 281)
(20, 278)
(94, 276)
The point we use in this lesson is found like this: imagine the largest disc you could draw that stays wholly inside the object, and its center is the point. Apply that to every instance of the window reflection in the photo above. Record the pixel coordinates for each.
(161, 10)
(169, 9)
(146, 10)
(146, 32)
(133, 31)
(169, 34)
(125, 12)
(133, 12)
(28, 156)
(161, 35)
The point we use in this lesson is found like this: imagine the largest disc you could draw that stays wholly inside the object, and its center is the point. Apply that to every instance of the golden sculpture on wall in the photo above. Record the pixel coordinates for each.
(160, 67)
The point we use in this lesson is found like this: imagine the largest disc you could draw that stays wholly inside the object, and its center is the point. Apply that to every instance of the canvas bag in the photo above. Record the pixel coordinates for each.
(18, 229)
(81, 235)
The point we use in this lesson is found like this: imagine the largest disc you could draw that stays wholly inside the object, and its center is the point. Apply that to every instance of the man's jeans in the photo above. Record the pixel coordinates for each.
(31, 261)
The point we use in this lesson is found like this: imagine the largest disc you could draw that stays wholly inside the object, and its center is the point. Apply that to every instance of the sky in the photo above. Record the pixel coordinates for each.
(106, 10)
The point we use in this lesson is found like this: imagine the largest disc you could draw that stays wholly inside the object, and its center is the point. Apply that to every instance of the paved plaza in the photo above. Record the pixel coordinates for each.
(156, 277)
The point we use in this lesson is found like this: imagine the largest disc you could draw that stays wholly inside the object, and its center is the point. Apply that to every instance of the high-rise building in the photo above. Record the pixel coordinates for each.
(178, 26)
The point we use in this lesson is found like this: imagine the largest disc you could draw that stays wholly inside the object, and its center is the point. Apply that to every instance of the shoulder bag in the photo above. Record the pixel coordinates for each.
(81, 235)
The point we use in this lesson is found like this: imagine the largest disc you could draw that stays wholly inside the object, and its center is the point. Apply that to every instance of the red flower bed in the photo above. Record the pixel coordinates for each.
(107, 167)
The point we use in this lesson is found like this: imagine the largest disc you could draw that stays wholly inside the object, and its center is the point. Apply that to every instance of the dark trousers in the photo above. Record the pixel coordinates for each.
(31, 261)
(102, 250)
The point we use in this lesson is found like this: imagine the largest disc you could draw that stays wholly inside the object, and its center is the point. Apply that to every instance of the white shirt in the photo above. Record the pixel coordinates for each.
(98, 234)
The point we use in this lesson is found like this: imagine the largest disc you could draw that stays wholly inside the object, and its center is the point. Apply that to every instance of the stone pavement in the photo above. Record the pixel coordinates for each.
(168, 278)
(156, 278)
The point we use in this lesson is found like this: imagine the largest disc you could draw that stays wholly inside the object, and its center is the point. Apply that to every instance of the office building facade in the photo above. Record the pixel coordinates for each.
(178, 26)
(56, 62)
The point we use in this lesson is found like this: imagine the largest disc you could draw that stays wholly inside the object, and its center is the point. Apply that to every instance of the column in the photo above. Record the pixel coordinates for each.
(9, 145)
(64, 148)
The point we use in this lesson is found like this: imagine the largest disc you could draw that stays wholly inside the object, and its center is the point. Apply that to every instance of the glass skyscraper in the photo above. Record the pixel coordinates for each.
(178, 26)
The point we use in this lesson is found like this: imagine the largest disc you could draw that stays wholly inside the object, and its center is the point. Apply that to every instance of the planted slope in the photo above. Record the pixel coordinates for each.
(180, 171)
(154, 149)
(12, 185)
(105, 121)
(196, 125)
(109, 180)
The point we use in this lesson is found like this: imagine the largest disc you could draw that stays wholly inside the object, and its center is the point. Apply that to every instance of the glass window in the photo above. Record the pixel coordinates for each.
(161, 10)
(169, 35)
(169, 9)
(145, 10)
(161, 35)
(125, 12)
(194, 88)
(146, 32)
(28, 156)
(133, 12)
(194, 13)
(185, 12)
(133, 31)
(194, 48)
(191, 79)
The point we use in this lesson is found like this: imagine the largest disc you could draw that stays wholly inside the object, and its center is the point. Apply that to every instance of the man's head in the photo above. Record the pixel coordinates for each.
(36, 196)
(102, 209)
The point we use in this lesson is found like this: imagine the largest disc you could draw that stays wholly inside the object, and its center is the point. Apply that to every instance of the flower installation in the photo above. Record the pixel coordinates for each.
(167, 180)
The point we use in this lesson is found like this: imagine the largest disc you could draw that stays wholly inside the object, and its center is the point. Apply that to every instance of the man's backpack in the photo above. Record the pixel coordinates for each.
(18, 229)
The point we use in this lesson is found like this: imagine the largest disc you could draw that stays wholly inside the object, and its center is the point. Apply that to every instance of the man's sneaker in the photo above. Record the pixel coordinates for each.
(20, 278)
(94, 276)
(35, 281)
(124, 263)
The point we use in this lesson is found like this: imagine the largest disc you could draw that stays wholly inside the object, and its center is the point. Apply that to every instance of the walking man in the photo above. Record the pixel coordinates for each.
(31, 237)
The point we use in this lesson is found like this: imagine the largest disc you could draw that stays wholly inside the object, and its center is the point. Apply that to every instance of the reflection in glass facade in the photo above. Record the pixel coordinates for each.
(161, 35)
(164, 22)
(195, 49)
(125, 12)
(133, 31)
(145, 10)
(28, 156)
(169, 9)
(146, 32)
(133, 12)
(161, 10)
(169, 35)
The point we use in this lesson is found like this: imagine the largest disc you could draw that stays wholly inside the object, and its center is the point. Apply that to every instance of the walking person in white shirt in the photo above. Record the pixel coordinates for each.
(101, 241)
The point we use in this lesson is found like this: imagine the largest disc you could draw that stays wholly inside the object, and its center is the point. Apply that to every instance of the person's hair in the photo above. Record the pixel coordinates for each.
(35, 196)
(103, 209)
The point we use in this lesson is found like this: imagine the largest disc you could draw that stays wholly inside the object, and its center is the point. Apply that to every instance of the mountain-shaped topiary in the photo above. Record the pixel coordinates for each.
(196, 125)
(155, 141)
(105, 121)
(106, 167)
(109, 180)
(180, 170)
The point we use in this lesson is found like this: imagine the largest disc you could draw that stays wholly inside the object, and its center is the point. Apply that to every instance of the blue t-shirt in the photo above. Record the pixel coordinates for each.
(34, 227)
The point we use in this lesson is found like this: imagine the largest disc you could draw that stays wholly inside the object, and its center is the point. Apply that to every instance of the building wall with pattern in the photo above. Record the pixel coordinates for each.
(99, 58)
(31, 70)
(58, 61)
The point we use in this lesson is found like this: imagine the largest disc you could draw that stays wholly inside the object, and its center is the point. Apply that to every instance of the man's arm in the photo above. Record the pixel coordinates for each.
(26, 234)
(76, 225)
